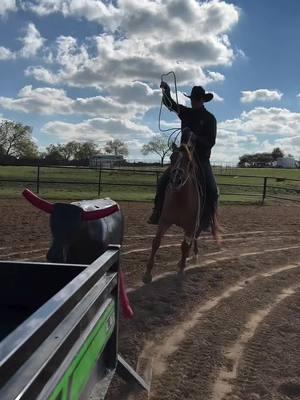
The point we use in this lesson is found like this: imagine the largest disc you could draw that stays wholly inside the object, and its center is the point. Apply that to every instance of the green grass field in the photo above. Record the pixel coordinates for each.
(237, 185)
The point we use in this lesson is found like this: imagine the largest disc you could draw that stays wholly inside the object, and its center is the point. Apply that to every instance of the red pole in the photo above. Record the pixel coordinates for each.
(127, 310)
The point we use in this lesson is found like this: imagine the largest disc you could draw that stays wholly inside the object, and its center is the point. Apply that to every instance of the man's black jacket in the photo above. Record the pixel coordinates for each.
(200, 121)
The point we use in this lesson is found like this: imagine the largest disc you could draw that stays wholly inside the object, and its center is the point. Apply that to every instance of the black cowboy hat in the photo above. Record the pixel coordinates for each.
(198, 93)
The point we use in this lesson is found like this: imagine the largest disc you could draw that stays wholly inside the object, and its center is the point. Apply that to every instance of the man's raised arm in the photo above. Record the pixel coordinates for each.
(167, 99)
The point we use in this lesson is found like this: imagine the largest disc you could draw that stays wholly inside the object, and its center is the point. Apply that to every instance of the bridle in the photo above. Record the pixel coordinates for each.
(177, 171)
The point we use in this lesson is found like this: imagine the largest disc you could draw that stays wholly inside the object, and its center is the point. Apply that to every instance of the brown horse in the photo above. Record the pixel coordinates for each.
(182, 204)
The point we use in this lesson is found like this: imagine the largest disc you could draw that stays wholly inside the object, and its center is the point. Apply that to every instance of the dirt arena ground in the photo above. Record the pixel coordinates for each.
(230, 330)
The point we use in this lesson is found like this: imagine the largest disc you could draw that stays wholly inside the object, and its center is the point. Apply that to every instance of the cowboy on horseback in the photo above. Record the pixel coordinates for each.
(204, 127)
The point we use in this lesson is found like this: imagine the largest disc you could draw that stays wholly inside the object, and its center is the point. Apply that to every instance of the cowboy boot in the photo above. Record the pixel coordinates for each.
(159, 198)
(154, 217)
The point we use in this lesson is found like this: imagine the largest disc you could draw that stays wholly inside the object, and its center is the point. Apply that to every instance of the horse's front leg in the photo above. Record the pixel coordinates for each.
(196, 251)
(162, 228)
(185, 249)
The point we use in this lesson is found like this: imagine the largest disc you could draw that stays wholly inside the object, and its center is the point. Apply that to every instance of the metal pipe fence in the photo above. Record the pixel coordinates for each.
(102, 180)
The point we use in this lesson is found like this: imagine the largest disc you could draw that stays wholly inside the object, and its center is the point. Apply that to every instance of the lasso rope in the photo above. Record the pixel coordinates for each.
(168, 100)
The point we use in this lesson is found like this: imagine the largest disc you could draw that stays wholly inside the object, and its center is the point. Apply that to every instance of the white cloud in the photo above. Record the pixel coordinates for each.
(210, 50)
(99, 130)
(217, 97)
(117, 65)
(51, 101)
(216, 76)
(247, 134)
(139, 40)
(6, 54)
(45, 101)
(290, 145)
(136, 92)
(127, 52)
(40, 73)
(91, 10)
(32, 42)
(140, 15)
(231, 145)
(241, 54)
(265, 121)
(250, 96)
(6, 6)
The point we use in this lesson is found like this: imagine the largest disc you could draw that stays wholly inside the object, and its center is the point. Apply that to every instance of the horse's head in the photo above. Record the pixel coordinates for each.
(182, 163)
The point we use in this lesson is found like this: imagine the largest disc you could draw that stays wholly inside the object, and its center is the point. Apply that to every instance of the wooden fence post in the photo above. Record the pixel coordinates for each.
(264, 190)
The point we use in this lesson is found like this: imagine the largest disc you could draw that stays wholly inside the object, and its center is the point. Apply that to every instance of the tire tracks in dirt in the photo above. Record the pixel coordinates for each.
(223, 385)
(215, 260)
(243, 233)
(269, 367)
(134, 262)
(178, 244)
(177, 347)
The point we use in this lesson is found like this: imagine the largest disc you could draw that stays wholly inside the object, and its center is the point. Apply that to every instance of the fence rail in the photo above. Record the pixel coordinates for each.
(105, 180)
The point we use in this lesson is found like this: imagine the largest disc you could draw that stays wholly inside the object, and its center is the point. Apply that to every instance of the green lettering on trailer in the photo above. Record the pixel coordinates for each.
(79, 371)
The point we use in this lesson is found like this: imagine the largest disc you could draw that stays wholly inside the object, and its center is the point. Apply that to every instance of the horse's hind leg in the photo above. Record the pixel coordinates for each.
(147, 278)
(196, 251)
(185, 249)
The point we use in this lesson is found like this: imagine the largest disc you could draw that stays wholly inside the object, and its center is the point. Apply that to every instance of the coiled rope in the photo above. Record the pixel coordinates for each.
(174, 131)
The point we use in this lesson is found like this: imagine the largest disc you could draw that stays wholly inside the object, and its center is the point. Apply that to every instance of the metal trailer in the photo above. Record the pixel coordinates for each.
(59, 330)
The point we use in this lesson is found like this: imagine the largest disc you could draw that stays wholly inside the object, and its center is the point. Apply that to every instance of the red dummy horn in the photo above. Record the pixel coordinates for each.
(36, 201)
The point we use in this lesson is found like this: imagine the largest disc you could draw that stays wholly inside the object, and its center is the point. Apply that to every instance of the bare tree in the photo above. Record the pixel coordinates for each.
(158, 145)
(116, 147)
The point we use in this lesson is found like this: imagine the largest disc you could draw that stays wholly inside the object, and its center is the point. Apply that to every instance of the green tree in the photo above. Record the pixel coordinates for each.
(86, 150)
(244, 160)
(53, 154)
(69, 150)
(16, 140)
(277, 153)
(116, 147)
(259, 159)
(158, 145)
(28, 149)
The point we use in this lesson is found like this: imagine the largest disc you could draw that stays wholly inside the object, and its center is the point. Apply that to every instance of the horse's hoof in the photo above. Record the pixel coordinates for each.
(147, 278)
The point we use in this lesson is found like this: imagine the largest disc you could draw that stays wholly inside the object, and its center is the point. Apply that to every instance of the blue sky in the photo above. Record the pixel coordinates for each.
(90, 69)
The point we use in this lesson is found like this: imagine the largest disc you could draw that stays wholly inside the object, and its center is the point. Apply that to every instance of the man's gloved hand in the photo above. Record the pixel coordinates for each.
(165, 86)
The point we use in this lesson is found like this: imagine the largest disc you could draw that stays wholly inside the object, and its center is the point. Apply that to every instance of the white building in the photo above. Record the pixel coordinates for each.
(287, 162)
(105, 161)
